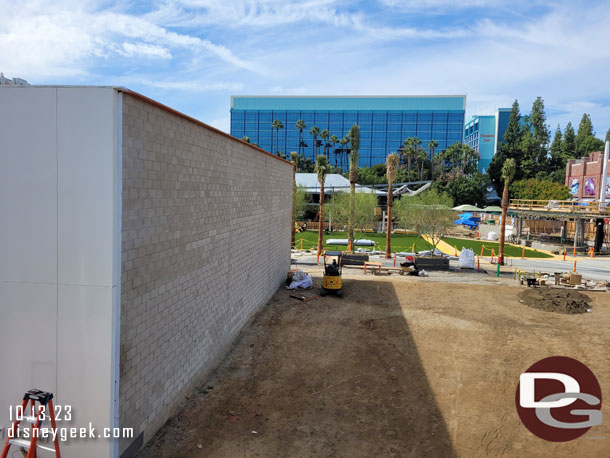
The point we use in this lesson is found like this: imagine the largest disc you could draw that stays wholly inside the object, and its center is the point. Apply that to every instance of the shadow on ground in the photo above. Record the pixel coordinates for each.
(325, 378)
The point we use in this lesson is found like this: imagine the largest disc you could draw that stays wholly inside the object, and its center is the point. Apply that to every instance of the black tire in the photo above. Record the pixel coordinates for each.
(323, 292)
(339, 293)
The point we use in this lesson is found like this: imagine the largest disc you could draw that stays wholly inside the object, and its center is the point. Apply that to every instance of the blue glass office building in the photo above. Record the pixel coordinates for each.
(385, 122)
(480, 135)
(485, 134)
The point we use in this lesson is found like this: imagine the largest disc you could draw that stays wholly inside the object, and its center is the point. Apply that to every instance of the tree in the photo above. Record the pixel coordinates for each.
(391, 163)
(301, 201)
(364, 205)
(334, 140)
(585, 141)
(277, 125)
(429, 213)
(432, 145)
(375, 174)
(410, 149)
(469, 157)
(534, 189)
(585, 130)
(508, 173)
(527, 144)
(607, 136)
(354, 134)
(453, 153)
(541, 135)
(294, 158)
(421, 160)
(344, 141)
(568, 144)
(557, 160)
(465, 189)
(315, 131)
(300, 124)
(591, 144)
(321, 171)
(513, 129)
(510, 148)
(324, 135)
(245, 139)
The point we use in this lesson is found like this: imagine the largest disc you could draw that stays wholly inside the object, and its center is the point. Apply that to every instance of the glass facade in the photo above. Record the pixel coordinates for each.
(385, 122)
(479, 134)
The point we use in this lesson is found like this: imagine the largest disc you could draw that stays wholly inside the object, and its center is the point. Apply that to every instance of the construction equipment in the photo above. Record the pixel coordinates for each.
(331, 281)
(44, 410)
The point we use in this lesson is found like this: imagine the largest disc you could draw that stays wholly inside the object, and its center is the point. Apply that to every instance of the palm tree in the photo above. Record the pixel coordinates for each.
(324, 135)
(245, 139)
(333, 139)
(321, 170)
(453, 152)
(411, 148)
(421, 159)
(438, 163)
(294, 158)
(300, 125)
(432, 145)
(508, 173)
(354, 134)
(344, 141)
(315, 131)
(471, 157)
(277, 125)
(391, 164)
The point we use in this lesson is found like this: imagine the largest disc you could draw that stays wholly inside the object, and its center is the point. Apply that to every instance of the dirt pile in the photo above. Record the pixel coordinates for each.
(555, 300)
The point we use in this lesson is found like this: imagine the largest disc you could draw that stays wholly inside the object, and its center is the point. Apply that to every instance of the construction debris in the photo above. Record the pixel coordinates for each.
(304, 296)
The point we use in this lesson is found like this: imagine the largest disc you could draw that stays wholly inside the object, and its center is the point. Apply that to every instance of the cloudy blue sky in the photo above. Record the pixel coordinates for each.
(194, 54)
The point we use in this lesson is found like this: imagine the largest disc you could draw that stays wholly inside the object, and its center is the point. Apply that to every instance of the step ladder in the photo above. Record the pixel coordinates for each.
(45, 405)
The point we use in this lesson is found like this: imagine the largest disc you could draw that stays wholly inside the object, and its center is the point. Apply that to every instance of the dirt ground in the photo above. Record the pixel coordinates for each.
(400, 367)
(556, 300)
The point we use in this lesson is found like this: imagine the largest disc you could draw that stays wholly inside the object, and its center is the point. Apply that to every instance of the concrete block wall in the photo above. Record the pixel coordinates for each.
(205, 243)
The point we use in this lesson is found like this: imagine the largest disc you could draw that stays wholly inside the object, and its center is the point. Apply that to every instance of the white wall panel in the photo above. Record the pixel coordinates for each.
(28, 185)
(87, 145)
(58, 191)
(84, 362)
(28, 335)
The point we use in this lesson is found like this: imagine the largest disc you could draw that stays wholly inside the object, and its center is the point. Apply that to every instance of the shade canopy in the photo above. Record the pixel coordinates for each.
(467, 208)
(492, 209)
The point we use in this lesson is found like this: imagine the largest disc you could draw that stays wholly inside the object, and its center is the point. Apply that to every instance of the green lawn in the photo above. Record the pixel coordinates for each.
(399, 242)
(405, 243)
(509, 250)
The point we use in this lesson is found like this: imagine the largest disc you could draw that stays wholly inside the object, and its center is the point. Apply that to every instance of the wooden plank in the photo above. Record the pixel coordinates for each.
(304, 296)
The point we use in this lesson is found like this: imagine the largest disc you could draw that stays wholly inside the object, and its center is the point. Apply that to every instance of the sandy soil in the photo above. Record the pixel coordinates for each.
(400, 367)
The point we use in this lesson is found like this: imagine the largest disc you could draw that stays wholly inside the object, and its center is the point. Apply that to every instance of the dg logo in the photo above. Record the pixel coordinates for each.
(559, 399)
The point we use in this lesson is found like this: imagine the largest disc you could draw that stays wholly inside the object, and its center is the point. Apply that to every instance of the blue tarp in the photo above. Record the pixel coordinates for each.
(466, 219)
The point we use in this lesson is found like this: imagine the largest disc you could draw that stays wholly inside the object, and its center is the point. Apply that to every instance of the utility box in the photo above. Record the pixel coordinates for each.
(575, 279)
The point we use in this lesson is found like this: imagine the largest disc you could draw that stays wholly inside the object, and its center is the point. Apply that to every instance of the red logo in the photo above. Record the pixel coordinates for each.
(559, 399)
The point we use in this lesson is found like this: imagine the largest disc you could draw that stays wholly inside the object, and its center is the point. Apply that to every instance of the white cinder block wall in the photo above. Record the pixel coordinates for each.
(206, 242)
(126, 225)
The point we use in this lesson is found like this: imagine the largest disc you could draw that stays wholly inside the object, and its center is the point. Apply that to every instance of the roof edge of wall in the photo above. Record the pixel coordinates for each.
(143, 98)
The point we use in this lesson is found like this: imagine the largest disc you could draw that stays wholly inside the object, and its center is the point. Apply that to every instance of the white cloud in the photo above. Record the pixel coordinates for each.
(212, 48)
(145, 50)
(51, 41)
(192, 86)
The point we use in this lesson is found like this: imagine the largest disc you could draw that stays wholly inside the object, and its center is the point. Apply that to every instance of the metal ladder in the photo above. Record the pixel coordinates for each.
(45, 408)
